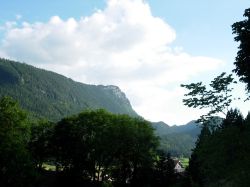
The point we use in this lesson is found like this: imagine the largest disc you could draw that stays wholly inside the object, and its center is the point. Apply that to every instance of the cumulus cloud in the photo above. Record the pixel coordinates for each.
(123, 44)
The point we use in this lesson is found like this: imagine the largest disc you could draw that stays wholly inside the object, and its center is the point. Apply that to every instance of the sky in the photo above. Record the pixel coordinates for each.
(146, 47)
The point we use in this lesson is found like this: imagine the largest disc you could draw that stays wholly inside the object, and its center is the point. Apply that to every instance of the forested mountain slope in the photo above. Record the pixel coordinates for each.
(178, 140)
(46, 94)
(50, 95)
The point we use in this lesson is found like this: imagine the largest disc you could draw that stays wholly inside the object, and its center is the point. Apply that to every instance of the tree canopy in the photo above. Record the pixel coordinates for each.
(242, 62)
(220, 157)
(101, 146)
(90, 148)
(16, 167)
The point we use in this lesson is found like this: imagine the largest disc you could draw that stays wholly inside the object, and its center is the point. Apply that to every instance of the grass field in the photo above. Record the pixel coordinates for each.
(49, 167)
(184, 161)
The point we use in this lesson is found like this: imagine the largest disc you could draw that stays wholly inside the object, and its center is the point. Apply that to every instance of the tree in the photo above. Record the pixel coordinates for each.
(170, 173)
(40, 141)
(247, 120)
(217, 98)
(195, 163)
(220, 157)
(163, 172)
(242, 61)
(135, 150)
(233, 118)
(16, 167)
(98, 146)
(69, 143)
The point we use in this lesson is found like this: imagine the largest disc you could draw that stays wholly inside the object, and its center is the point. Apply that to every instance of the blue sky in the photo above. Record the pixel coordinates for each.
(202, 25)
(141, 49)
(194, 17)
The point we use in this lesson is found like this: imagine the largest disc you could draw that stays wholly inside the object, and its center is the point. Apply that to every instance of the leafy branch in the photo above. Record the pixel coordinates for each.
(218, 98)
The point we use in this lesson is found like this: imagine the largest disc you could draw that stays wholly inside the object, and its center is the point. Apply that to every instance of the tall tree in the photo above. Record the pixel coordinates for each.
(233, 118)
(100, 146)
(16, 168)
(195, 163)
(242, 61)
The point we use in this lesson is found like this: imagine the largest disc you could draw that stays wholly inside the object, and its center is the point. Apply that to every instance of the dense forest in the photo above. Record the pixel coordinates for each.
(100, 148)
(92, 148)
(50, 95)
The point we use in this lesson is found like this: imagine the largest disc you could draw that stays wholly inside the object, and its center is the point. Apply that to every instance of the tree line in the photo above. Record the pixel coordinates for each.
(221, 156)
(92, 148)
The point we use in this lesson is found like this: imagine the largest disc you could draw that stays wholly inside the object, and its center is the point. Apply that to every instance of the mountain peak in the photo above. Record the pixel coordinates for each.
(117, 92)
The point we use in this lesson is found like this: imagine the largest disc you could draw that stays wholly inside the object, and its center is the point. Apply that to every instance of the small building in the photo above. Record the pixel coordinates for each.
(178, 167)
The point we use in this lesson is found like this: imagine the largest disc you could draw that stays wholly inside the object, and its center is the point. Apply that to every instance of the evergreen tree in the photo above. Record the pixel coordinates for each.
(233, 118)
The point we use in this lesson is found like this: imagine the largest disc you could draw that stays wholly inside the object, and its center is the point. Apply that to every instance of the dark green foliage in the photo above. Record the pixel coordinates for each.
(221, 157)
(91, 148)
(40, 142)
(8, 74)
(53, 96)
(136, 146)
(195, 170)
(16, 168)
(247, 120)
(217, 99)
(242, 62)
(170, 173)
(101, 146)
(164, 174)
(233, 118)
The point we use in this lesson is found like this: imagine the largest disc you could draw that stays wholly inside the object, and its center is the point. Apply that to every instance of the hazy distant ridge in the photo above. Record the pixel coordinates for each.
(178, 140)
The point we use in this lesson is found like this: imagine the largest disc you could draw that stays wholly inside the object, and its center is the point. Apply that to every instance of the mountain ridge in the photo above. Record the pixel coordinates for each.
(55, 92)
(178, 140)
(47, 94)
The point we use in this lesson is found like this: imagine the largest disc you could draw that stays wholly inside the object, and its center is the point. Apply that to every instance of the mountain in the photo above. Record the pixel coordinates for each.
(49, 95)
(192, 128)
(178, 140)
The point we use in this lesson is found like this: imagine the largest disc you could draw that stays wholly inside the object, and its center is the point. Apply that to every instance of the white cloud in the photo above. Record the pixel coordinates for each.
(125, 45)
(18, 17)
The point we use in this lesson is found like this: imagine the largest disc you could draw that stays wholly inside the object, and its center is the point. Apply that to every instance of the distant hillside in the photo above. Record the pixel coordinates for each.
(49, 95)
(53, 96)
(178, 140)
